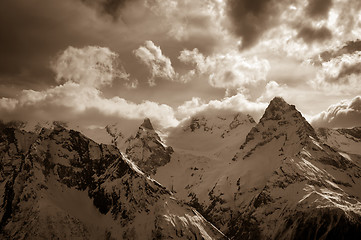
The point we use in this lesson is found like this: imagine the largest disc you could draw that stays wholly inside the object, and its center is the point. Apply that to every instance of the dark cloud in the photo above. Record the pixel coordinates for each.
(318, 8)
(349, 47)
(346, 114)
(310, 34)
(109, 7)
(251, 18)
(346, 71)
(32, 33)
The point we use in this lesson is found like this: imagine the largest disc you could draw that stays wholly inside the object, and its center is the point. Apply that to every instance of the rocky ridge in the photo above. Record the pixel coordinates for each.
(60, 184)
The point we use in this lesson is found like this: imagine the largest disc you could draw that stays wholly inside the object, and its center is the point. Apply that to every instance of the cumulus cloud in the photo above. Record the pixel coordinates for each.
(159, 65)
(89, 66)
(346, 113)
(8, 103)
(78, 100)
(236, 103)
(81, 73)
(229, 70)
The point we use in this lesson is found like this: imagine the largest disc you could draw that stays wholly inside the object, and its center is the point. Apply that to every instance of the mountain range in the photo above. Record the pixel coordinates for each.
(218, 175)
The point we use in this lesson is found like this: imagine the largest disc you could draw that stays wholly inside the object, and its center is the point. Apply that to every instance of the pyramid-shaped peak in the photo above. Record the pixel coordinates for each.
(277, 109)
(147, 124)
(278, 101)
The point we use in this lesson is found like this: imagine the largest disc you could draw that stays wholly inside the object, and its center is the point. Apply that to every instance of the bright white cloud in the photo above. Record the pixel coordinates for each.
(8, 103)
(89, 66)
(272, 90)
(237, 103)
(159, 65)
(79, 99)
(346, 113)
(229, 70)
(83, 72)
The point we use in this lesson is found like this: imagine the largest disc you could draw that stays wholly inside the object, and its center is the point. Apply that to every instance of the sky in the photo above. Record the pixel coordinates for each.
(97, 62)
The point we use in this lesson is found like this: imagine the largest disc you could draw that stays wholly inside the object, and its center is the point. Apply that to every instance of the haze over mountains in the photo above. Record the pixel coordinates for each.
(217, 175)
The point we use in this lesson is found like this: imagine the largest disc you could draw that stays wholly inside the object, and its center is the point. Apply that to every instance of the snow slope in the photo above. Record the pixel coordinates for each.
(346, 141)
(215, 134)
(283, 183)
(58, 184)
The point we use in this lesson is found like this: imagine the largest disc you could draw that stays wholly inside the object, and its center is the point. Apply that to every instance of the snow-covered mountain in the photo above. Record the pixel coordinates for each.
(283, 183)
(215, 134)
(59, 184)
(277, 179)
(346, 141)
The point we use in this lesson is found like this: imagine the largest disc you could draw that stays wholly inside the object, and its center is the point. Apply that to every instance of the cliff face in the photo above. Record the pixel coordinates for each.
(147, 150)
(60, 184)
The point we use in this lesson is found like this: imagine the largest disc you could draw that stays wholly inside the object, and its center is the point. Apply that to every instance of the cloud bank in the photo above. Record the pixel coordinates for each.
(346, 113)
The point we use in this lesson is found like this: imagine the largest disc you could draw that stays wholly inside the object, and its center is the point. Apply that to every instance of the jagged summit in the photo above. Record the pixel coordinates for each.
(276, 106)
(147, 124)
(280, 120)
(147, 150)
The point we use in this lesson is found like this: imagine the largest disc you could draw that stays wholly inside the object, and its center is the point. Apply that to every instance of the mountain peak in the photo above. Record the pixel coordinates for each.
(280, 120)
(277, 108)
(147, 150)
(278, 100)
(147, 124)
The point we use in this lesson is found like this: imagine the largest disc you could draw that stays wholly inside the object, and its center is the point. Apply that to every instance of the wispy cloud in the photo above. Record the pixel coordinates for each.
(159, 65)
(90, 66)
(227, 70)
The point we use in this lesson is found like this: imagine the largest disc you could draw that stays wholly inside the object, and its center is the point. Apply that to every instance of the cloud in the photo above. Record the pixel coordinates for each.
(31, 32)
(346, 114)
(236, 103)
(8, 104)
(76, 100)
(310, 34)
(192, 23)
(89, 66)
(341, 73)
(348, 48)
(318, 8)
(81, 74)
(226, 70)
(250, 18)
(108, 7)
(159, 65)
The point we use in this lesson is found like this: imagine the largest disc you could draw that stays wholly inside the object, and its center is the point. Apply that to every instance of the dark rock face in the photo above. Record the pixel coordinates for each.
(147, 124)
(34, 167)
(147, 150)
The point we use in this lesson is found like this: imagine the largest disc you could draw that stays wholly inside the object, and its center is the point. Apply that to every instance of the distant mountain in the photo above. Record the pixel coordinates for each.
(215, 134)
(283, 183)
(59, 184)
(344, 140)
